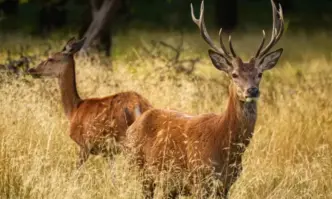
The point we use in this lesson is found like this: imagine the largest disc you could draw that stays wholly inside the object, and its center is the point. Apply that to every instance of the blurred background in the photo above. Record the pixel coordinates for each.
(154, 48)
(107, 18)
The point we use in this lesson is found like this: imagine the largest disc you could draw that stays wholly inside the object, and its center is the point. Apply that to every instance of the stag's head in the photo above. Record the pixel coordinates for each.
(57, 63)
(246, 76)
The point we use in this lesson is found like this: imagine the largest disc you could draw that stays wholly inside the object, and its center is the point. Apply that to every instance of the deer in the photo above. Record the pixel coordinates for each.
(97, 125)
(206, 145)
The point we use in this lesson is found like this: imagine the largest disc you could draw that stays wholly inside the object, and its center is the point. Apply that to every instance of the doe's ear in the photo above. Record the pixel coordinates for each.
(270, 60)
(68, 44)
(219, 61)
(73, 46)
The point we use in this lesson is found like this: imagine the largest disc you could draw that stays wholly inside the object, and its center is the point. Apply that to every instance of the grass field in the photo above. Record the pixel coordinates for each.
(290, 155)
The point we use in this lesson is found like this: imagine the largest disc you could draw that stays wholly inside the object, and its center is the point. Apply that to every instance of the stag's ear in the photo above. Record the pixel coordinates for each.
(219, 61)
(270, 60)
(73, 46)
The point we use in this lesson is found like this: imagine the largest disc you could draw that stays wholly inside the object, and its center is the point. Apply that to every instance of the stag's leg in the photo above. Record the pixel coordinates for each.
(174, 194)
(148, 185)
(111, 164)
(170, 192)
(233, 179)
(200, 182)
(83, 156)
(148, 188)
(225, 194)
(171, 185)
(221, 188)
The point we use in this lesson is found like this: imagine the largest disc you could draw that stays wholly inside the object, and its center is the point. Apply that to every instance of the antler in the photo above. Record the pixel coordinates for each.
(277, 31)
(201, 25)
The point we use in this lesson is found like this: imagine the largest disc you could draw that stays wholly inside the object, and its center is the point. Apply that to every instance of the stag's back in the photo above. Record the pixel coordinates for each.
(163, 137)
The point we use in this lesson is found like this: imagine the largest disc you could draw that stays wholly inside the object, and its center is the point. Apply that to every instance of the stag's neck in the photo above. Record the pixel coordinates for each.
(69, 94)
(240, 118)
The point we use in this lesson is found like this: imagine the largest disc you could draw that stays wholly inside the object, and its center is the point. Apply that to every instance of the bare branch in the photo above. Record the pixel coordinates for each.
(186, 66)
(107, 8)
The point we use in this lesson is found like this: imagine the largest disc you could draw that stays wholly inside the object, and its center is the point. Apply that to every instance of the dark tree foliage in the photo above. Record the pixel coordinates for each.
(226, 14)
(287, 5)
(52, 15)
(9, 7)
(98, 20)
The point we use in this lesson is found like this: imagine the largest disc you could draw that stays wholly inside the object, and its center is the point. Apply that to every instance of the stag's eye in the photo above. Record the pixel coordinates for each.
(260, 75)
(234, 75)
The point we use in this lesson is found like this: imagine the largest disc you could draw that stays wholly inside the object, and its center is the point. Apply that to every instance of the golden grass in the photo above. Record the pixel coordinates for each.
(290, 155)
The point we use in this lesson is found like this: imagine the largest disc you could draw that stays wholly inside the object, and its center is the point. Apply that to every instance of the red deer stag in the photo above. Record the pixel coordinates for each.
(92, 121)
(214, 142)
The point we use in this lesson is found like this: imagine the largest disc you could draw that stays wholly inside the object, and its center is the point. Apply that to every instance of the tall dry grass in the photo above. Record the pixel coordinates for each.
(290, 155)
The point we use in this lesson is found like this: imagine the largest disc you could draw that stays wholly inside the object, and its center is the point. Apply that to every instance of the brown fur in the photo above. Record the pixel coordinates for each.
(96, 124)
(207, 145)
(98, 121)
(190, 143)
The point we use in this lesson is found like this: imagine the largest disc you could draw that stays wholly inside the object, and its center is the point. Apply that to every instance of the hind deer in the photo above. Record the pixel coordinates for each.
(94, 122)
(207, 144)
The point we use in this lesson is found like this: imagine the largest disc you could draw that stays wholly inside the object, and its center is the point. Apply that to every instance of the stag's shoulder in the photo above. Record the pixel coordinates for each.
(128, 96)
(152, 122)
(163, 114)
(202, 122)
(151, 119)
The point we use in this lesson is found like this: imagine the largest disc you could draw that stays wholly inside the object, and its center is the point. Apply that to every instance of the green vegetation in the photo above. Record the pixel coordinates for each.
(290, 155)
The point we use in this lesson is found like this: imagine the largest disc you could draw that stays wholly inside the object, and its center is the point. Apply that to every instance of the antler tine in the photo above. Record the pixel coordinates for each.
(281, 24)
(231, 46)
(261, 45)
(223, 48)
(277, 30)
(201, 25)
(195, 20)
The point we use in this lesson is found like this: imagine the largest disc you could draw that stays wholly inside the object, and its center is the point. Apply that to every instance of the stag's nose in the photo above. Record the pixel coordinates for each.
(253, 92)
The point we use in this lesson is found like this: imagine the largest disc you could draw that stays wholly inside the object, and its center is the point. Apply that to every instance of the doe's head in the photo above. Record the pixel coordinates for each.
(56, 64)
(246, 76)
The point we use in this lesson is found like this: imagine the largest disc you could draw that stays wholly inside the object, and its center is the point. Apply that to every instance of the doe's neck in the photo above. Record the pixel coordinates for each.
(67, 81)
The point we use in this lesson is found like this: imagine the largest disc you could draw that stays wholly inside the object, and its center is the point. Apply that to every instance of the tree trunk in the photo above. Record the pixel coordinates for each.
(226, 14)
(102, 13)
